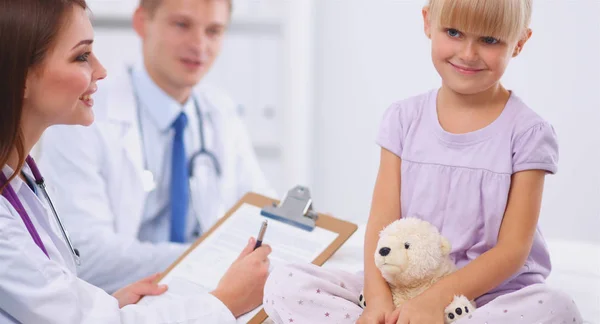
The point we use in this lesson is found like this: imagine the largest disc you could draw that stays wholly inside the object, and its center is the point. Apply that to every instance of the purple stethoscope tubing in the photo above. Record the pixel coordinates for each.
(13, 199)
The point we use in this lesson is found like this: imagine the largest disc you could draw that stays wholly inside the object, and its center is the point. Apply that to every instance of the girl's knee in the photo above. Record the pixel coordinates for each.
(561, 301)
(274, 286)
(284, 280)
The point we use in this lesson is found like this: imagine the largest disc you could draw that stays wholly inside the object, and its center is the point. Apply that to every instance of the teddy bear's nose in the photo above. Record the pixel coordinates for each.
(384, 251)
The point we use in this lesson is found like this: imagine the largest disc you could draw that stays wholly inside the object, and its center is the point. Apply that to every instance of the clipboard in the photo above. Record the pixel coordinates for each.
(295, 209)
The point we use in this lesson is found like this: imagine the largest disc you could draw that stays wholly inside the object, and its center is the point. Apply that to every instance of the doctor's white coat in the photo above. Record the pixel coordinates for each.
(96, 173)
(35, 288)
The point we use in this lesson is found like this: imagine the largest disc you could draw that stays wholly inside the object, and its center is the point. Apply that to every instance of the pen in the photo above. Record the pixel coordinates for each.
(261, 235)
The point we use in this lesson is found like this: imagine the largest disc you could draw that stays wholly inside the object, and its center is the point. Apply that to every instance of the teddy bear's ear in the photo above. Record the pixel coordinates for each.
(446, 247)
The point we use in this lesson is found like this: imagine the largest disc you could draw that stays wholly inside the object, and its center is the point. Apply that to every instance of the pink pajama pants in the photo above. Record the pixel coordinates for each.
(310, 294)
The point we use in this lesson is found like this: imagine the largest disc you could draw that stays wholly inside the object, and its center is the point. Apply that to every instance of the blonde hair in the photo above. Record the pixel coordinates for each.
(506, 20)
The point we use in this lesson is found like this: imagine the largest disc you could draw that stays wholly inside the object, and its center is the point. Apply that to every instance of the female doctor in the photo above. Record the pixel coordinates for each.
(49, 74)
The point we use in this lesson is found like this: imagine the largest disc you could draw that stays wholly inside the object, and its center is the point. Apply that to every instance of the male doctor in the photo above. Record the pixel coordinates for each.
(165, 158)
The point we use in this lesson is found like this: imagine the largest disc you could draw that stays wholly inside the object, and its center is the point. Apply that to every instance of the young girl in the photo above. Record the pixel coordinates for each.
(469, 157)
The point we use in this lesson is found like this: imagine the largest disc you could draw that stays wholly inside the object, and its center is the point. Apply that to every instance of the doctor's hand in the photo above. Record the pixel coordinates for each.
(241, 288)
(133, 293)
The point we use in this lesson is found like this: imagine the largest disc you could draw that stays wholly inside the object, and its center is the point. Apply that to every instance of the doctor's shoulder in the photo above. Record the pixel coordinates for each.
(70, 141)
(218, 98)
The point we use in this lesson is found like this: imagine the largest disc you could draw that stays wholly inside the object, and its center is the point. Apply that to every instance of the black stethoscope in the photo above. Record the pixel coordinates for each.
(13, 199)
(148, 176)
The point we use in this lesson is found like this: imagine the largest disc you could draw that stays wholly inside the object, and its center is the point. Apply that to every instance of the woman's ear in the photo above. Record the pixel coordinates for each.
(27, 87)
(521, 43)
(426, 22)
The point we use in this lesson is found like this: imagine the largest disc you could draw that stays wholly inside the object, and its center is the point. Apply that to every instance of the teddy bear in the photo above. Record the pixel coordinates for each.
(412, 255)
(459, 307)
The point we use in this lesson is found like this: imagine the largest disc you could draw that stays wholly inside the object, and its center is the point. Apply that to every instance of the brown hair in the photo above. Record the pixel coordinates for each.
(506, 20)
(152, 5)
(28, 29)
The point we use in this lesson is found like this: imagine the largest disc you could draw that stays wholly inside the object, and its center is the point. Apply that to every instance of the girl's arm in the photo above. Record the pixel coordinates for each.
(385, 208)
(512, 249)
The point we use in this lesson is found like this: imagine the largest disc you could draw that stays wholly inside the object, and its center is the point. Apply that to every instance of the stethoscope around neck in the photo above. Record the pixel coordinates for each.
(14, 200)
(148, 177)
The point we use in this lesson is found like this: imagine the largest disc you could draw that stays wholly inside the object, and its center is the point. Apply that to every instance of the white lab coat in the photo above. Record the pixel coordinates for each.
(38, 289)
(97, 173)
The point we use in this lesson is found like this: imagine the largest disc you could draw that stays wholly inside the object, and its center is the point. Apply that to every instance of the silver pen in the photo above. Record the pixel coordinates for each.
(261, 234)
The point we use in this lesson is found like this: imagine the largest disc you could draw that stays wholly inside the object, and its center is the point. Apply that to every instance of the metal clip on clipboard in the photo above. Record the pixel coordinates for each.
(295, 209)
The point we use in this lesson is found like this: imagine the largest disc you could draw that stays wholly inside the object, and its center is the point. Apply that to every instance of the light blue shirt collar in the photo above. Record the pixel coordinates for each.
(159, 106)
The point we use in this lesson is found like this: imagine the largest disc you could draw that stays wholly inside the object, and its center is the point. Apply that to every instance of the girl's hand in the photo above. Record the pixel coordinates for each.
(376, 312)
(426, 308)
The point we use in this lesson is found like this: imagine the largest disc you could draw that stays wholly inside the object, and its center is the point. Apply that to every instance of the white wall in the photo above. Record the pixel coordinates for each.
(369, 54)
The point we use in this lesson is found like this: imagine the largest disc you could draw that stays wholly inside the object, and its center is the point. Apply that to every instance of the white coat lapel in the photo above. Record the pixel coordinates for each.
(122, 110)
(128, 191)
(224, 147)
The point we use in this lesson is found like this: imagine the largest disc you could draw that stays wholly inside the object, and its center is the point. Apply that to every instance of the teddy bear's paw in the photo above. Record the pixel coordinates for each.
(459, 307)
(361, 300)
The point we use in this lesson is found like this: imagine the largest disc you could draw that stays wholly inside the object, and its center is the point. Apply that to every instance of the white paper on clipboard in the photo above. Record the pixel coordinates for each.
(200, 271)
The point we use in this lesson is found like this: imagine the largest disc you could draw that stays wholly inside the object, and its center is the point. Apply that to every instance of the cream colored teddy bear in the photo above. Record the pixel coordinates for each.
(412, 255)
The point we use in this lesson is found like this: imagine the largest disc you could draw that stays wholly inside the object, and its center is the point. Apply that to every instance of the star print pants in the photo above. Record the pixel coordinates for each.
(312, 295)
